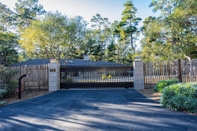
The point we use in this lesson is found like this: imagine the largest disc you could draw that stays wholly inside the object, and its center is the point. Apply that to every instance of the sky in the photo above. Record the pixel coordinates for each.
(110, 9)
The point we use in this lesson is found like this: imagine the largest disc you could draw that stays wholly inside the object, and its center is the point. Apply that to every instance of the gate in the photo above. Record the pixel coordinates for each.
(96, 76)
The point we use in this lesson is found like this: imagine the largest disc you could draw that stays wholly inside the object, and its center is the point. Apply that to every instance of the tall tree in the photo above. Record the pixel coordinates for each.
(76, 31)
(47, 37)
(111, 52)
(129, 23)
(27, 11)
(86, 46)
(173, 34)
(6, 18)
(100, 26)
(8, 44)
(54, 36)
(8, 40)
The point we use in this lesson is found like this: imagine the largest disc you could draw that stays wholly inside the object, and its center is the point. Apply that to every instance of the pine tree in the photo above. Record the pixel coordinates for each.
(129, 23)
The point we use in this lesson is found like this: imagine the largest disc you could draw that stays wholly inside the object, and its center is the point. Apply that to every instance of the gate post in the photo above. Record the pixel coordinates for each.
(138, 74)
(54, 75)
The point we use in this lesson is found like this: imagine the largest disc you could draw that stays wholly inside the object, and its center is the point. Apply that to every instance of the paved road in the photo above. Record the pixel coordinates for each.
(100, 110)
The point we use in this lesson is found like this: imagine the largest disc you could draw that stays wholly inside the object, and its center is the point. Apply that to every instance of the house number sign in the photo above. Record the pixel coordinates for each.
(52, 70)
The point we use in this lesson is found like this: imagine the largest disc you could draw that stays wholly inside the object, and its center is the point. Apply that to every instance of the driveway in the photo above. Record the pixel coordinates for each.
(96, 109)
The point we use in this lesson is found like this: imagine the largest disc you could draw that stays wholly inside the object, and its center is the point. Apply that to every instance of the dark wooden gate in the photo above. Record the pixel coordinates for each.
(96, 76)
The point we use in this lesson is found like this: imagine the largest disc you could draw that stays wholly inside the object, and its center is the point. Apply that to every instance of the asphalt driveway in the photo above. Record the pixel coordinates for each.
(101, 110)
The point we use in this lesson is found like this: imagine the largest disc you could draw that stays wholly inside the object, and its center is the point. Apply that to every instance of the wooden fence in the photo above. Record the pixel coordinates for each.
(37, 76)
(154, 72)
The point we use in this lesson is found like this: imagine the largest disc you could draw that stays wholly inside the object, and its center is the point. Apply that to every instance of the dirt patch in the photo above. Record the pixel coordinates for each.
(151, 94)
(24, 96)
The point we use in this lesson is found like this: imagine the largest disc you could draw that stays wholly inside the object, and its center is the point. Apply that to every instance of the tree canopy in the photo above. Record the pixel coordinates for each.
(173, 34)
(29, 32)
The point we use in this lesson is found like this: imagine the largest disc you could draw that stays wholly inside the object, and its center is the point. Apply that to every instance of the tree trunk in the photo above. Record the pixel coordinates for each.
(132, 46)
(58, 53)
(101, 44)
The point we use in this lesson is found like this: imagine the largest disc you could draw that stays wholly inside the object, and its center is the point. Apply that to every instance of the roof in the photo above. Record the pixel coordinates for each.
(32, 62)
(72, 62)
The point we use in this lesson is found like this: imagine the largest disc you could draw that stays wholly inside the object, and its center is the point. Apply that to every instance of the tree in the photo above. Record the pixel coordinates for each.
(54, 36)
(8, 53)
(45, 38)
(111, 52)
(6, 18)
(156, 45)
(165, 6)
(129, 23)
(174, 35)
(27, 11)
(88, 44)
(165, 34)
(100, 27)
(8, 40)
(76, 31)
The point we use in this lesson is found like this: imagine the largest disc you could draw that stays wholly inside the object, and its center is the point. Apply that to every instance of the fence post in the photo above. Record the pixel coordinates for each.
(179, 70)
(138, 74)
(54, 76)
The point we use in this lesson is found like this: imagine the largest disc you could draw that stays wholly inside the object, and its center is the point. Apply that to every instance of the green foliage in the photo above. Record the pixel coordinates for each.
(2, 90)
(8, 40)
(180, 97)
(104, 77)
(54, 36)
(11, 89)
(111, 52)
(109, 76)
(7, 74)
(8, 86)
(171, 35)
(69, 80)
(129, 24)
(35, 38)
(6, 17)
(101, 32)
(8, 44)
(2, 103)
(164, 83)
(26, 12)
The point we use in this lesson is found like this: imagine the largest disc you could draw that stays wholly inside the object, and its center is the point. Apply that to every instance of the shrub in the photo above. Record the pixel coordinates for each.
(109, 76)
(8, 73)
(8, 85)
(164, 83)
(8, 90)
(2, 91)
(69, 79)
(11, 89)
(180, 97)
(104, 77)
(2, 103)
